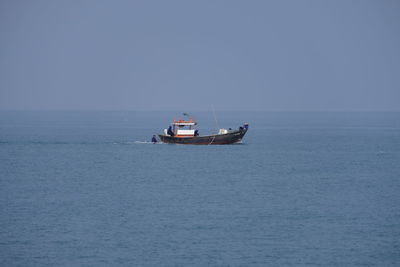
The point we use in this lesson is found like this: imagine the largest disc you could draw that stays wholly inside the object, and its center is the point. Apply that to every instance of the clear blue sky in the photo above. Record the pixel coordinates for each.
(189, 55)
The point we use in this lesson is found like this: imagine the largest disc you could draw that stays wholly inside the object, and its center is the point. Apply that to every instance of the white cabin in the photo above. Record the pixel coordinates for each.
(182, 128)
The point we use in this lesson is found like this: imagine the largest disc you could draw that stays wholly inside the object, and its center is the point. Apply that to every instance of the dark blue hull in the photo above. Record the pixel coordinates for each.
(216, 139)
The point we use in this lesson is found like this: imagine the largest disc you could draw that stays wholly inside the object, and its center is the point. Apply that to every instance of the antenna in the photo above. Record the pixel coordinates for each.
(215, 117)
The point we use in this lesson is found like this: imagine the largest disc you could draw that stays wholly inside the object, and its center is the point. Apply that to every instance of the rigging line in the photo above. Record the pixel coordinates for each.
(212, 140)
(215, 117)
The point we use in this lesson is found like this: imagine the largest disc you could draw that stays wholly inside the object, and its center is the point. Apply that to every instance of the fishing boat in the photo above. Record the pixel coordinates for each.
(184, 132)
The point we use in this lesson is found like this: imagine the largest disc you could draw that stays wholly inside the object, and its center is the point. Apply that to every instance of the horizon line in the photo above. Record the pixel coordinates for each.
(197, 110)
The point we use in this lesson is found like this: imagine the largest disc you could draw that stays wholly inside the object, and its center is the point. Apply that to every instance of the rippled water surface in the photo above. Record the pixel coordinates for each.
(304, 189)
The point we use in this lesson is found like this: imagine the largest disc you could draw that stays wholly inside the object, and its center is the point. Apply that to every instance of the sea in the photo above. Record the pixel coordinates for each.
(88, 188)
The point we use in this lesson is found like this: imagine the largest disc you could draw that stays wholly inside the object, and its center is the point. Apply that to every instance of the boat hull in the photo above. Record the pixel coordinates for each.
(216, 139)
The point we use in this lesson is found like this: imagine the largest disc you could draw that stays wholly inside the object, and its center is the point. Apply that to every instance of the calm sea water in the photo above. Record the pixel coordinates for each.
(304, 189)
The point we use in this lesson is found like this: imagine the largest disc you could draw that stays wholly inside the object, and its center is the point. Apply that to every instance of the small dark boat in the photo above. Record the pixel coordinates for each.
(184, 132)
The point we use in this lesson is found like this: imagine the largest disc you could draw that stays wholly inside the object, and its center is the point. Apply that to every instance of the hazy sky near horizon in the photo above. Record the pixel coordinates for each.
(190, 55)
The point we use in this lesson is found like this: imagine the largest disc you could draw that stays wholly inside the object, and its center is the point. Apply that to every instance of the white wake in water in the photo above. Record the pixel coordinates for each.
(136, 142)
(148, 142)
